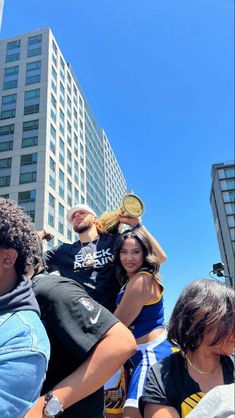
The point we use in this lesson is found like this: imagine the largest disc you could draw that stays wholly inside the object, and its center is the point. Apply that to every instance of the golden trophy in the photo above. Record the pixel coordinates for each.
(131, 206)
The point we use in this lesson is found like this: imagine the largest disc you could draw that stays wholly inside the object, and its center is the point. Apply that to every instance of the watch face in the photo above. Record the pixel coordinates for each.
(53, 407)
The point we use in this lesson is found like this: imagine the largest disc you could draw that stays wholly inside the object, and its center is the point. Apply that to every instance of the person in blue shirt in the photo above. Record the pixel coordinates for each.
(24, 345)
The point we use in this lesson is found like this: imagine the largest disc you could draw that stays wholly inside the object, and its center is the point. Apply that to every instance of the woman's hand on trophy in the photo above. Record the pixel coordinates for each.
(128, 220)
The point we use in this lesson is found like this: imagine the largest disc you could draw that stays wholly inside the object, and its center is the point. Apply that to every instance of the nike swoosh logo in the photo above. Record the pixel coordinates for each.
(94, 320)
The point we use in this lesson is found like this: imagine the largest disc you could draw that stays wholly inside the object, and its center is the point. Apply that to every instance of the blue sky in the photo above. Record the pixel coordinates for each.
(158, 75)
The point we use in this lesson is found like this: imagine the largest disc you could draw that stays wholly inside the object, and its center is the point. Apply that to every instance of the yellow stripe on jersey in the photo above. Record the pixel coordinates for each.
(191, 402)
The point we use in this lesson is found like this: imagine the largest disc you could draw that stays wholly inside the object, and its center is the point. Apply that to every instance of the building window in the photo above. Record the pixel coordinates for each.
(54, 47)
(27, 201)
(8, 109)
(62, 65)
(230, 208)
(226, 172)
(52, 139)
(69, 134)
(26, 197)
(5, 163)
(54, 80)
(30, 133)
(232, 233)
(61, 94)
(53, 108)
(61, 183)
(69, 192)
(13, 51)
(82, 180)
(11, 78)
(229, 196)
(31, 101)
(69, 162)
(33, 73)
(51, 212)
(28, 170)
(75, 171)
(28, 177)
(61, 219)
(75, 146)
(4, 196)
(76, 196)
(52, 168)
(34, 46)
(5, 181)
(228, 184)
(31, 214)
(61, 151)
(61, 125)
(29, 159)
(231, 221)
(6, 137)
(69, 232)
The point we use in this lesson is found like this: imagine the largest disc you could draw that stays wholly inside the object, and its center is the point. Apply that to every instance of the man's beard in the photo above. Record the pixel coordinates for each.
(82, 227)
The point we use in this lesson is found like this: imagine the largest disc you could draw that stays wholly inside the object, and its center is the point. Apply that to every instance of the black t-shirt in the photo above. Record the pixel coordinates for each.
(99, 280)
(170, 384)
(74, 323)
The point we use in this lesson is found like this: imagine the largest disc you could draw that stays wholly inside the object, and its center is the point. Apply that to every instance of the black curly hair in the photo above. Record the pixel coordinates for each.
(17, 231)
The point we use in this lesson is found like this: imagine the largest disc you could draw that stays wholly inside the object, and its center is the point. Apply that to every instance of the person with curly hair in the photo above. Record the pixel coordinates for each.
(203, 325)
(24, 345)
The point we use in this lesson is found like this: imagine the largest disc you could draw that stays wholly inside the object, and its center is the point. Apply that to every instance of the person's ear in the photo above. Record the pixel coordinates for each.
(9, 259)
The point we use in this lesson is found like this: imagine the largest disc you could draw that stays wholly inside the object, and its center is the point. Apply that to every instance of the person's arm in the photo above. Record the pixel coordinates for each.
(51, 257)
(138, 292)
(110, 353)
(160, 411)
(157, 249)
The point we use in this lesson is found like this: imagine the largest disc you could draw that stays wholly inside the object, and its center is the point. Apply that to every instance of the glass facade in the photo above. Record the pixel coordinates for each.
(52, 156)
(223, 206)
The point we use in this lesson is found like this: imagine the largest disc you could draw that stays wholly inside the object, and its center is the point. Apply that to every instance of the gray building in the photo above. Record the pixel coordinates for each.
(222, 200)
(53, 154)
(1, 12)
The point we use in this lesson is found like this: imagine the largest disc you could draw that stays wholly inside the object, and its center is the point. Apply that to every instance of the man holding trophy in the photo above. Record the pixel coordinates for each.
(89, 261)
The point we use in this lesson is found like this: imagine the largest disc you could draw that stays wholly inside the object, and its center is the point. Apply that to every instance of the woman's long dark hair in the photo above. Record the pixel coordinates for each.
(150, 261)
(203, 306)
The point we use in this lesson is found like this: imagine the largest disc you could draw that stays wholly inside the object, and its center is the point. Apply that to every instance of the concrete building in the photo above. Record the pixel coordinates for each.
(1, 12)
(52, 153)
(222, 200)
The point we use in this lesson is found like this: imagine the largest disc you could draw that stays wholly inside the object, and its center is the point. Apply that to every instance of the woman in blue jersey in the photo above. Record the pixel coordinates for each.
(140, 308)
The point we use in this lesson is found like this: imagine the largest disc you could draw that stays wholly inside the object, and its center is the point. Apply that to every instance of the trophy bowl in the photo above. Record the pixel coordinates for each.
(131, 206)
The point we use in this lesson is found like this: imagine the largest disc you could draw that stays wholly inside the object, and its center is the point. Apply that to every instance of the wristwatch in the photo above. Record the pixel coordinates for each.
(53, 406)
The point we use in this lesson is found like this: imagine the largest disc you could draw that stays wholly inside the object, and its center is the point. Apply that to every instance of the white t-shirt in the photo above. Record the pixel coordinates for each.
(217, 403)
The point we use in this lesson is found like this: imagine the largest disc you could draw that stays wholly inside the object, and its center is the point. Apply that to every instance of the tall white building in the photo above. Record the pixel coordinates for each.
(52, 153)
(1, 11)
(222, 199)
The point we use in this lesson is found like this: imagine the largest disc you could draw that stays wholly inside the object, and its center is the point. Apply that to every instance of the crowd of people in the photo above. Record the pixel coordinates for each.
(100, 322)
